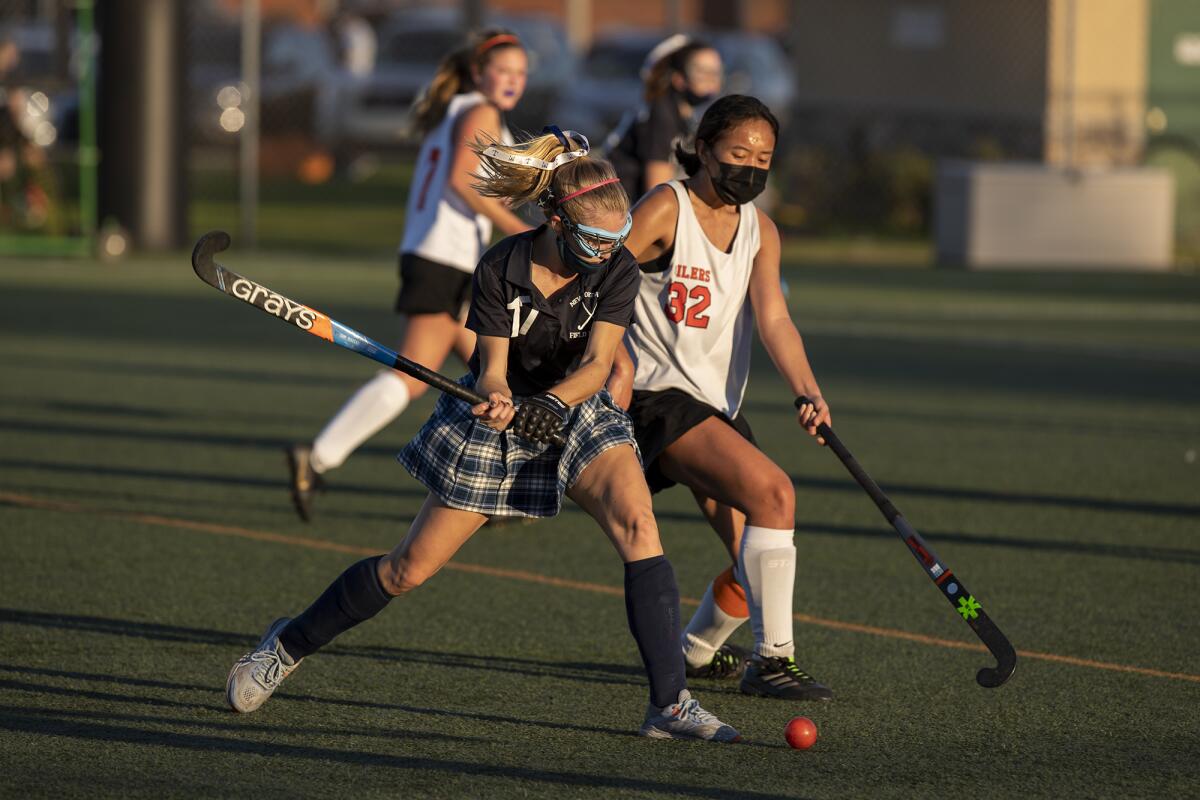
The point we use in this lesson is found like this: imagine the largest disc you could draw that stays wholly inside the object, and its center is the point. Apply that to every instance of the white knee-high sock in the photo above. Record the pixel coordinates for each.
(767, 570)
(721, 612)
(378, 402)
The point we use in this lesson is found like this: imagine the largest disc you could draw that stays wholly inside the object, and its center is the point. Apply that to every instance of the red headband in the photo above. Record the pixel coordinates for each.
(587, 189)
(495, 41)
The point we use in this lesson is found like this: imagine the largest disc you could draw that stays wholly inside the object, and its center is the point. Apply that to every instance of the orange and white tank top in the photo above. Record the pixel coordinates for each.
(439, 225)
(693, 325)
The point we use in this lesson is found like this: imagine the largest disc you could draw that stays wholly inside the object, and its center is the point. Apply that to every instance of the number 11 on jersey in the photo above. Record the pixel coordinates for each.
(520, 328)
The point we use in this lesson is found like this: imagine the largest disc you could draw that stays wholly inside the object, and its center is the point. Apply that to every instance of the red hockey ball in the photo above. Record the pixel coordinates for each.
(801, 733)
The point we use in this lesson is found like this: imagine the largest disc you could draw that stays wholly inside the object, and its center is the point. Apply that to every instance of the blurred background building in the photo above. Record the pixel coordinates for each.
(299, 134)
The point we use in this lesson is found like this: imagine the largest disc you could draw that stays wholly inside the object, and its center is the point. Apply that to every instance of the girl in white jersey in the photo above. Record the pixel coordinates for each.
(710, 263)
(448, 224)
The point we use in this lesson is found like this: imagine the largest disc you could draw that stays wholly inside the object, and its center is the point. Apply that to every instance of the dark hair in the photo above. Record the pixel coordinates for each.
(659, 79)
(721, 117)
(454, 74)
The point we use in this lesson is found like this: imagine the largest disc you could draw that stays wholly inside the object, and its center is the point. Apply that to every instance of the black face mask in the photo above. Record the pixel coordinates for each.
(693, 99)
(574, 262)
(736, 184)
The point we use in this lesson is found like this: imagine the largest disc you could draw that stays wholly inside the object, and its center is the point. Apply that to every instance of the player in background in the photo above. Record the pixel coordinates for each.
(549, 308)
(710, 263)
(447, 226)
(679, 75)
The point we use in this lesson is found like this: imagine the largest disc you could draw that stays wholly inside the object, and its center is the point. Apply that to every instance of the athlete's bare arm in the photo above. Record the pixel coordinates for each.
(493, 382)
(594, 367)
(776, 329)
(654, 219)
(480, 123)
(620, 380)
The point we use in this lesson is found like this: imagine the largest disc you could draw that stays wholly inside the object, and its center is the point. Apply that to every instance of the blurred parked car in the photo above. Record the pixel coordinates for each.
(301, 81)
(607, 84)
(374, 111)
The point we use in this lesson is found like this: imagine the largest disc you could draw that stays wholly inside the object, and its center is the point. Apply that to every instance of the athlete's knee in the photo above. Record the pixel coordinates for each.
(636, 528)
(774, 495)
(401, 575)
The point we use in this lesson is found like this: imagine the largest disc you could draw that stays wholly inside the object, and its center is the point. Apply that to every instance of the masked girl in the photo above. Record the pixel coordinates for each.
(679, 75)
(549, 309)
(710, 263)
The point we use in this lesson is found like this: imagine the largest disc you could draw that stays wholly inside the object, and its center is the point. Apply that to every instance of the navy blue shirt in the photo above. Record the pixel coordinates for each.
(548, 335)
(649, 136)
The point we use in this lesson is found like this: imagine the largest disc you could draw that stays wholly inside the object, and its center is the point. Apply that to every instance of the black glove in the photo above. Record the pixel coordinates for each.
(540, 418)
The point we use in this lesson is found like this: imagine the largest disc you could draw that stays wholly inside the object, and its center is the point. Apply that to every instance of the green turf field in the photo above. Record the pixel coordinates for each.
(1041, 430)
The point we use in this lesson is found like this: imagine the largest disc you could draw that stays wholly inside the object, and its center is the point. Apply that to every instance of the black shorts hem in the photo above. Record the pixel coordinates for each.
(427, 287)
(659, 418)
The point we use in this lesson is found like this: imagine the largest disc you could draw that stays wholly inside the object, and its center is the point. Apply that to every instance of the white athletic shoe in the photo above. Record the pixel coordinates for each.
(256, 675)
(685, 719)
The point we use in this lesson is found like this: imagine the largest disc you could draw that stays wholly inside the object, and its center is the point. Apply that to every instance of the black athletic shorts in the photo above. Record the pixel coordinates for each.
(427, 287)
(659, 418)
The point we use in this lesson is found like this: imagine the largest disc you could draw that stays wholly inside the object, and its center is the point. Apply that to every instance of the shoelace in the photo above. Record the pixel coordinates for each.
(690, 709)
(789, 667)
(270, 671)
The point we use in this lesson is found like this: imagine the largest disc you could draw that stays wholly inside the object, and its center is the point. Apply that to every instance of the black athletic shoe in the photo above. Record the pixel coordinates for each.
(305, 482)
(780, 677)
(728, 662)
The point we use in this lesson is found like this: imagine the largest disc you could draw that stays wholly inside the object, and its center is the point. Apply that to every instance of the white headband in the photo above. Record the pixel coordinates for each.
(661, 50)
(538, 163)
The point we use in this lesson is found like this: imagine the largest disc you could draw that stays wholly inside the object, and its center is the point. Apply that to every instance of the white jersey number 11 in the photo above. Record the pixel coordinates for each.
(521, 328)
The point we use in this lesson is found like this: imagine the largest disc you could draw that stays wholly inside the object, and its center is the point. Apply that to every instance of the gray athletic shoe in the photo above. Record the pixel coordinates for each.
(256, 675)
(685, 719)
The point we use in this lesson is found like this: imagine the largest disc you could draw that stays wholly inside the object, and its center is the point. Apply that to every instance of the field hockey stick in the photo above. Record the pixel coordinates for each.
(312, 321)
(963, 601)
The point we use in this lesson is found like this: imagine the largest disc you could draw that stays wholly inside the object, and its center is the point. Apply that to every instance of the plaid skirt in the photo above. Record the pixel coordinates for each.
(472, 467)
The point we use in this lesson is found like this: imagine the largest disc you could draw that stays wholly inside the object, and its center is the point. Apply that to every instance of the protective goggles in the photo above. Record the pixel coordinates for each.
(596, 242)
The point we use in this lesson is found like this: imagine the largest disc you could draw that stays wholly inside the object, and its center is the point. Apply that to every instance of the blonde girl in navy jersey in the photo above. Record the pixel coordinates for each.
(549, 308)
(447, 226)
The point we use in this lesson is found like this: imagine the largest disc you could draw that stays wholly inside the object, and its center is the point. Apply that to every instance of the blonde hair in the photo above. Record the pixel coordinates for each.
(522, 183)
(453, 75)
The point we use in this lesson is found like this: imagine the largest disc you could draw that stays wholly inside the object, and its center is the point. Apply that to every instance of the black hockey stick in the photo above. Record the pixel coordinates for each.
(312, 321)
(962, 600)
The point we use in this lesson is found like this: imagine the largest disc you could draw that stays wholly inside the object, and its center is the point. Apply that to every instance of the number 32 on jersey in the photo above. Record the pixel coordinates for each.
(688, 305)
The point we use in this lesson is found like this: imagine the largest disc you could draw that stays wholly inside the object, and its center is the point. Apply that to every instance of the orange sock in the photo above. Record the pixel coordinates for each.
(729, 595)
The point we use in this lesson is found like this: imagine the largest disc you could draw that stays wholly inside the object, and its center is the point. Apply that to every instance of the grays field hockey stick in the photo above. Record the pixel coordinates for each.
(963, 601)
(312, 321)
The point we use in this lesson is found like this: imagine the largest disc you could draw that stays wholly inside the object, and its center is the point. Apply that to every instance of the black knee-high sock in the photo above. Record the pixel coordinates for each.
(356, 596)
(652, 604)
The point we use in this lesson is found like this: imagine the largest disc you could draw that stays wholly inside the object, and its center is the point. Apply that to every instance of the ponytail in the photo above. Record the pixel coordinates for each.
(453, 75)
(553, 165)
